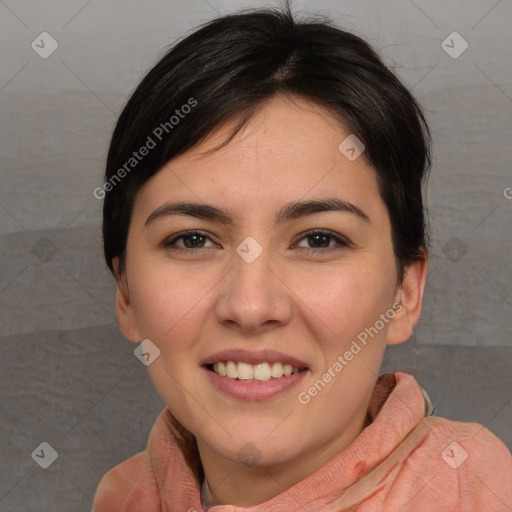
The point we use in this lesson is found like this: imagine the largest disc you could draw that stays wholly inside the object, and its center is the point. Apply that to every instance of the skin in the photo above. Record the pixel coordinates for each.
(302, 296)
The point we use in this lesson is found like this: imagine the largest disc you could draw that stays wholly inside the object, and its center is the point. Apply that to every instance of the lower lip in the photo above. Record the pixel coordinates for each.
(254, 390)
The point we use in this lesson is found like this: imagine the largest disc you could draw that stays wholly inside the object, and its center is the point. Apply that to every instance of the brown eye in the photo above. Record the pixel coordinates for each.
(190, 240)
(322, 239)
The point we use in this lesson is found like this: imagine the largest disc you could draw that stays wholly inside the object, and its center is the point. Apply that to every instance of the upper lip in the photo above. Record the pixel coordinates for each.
(245, 356)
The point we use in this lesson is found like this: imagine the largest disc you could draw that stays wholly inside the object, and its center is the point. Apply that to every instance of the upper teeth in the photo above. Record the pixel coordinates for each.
(246, 371)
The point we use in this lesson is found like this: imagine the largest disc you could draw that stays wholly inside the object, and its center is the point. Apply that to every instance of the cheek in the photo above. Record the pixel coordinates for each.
(344, 301)
(171, 303)
(161, 302)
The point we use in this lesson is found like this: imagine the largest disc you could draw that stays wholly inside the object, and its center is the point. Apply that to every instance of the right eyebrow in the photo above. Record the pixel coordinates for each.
(198, 210)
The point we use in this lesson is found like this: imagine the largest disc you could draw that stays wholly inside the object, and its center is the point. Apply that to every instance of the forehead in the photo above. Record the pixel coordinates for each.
(289, 150)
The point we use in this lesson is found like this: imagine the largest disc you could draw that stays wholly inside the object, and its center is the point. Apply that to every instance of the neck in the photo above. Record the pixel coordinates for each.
(235, 484)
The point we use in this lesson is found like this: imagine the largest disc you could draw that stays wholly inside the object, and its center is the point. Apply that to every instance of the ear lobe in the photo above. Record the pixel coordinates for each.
(410, 297)
(124, 308)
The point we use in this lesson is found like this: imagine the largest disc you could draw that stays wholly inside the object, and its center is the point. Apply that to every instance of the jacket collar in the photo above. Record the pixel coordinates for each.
(396, 406)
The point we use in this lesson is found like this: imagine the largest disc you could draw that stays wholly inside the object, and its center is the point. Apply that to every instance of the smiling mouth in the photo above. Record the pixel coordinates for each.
(253, 372)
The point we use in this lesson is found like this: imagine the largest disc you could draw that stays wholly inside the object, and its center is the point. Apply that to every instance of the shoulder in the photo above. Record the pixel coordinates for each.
(118, 484)
(465, 462)
(479, 440)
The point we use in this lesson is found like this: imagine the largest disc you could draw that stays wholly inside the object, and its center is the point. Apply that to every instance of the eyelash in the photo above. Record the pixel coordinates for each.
(342, 242)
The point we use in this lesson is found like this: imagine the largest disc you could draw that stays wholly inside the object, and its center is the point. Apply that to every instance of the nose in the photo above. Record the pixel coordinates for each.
(253, 297)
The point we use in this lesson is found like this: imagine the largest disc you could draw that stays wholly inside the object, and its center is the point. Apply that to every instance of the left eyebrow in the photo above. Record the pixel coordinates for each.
(289, 211)
(305, 208)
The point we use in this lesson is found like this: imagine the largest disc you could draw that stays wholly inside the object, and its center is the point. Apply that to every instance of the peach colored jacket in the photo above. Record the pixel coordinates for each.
(403, 461)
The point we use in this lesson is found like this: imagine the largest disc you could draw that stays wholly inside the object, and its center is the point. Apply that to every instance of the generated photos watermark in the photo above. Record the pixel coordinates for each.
(351, 147)
(157, 135)
(146, 352)
(305, 397)
(454, 455)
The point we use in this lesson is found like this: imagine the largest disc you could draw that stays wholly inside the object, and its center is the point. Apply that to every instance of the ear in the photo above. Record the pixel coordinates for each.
(409, 301)
(124, 308)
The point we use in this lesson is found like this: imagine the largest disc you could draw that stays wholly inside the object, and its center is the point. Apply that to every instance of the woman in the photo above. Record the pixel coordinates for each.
(264, 221)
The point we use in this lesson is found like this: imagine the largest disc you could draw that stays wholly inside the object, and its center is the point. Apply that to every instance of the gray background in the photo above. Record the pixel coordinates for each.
(67, 376)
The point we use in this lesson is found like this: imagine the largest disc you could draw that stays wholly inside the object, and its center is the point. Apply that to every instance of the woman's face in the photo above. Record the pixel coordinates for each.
(257, 281)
